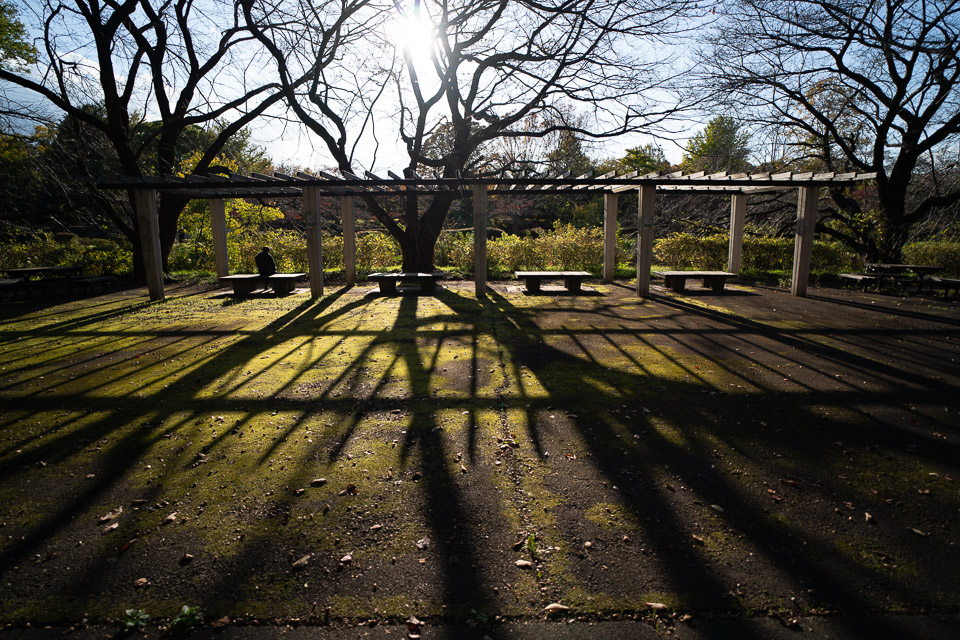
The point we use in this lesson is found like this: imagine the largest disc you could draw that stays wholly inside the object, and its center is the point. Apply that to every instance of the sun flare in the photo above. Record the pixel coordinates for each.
(414, 34)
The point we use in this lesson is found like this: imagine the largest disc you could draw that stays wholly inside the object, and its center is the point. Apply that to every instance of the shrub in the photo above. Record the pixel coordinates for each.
(760, 253)
(939, 252)
(95, 256)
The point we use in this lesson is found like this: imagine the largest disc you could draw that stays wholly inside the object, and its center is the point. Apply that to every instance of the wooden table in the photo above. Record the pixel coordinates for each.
(891, 270)
(29, 272)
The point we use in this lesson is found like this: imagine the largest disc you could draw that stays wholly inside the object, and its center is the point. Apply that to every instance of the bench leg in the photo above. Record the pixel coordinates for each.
(675, 282)
(533, 285)
(243, 287)
(388, 287)
(282, 287)
(572, 284)
(428, 285)
(714, 283)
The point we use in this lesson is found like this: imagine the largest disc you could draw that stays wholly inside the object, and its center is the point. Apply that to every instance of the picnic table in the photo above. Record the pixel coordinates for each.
(677, 280)
(45, 278)
(896, 271)
(27, 273)
(571, 279)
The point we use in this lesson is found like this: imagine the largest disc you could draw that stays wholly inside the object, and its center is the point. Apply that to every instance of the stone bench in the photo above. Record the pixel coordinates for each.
(571, 279)
(943, 283)
(863, 280)
(677, 280)
(246, 283)
(13, 285)
(89, 283)
(388, 281)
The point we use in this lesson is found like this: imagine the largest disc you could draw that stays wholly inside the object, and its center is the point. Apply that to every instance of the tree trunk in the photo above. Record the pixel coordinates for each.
(418, 240)
(171, 206)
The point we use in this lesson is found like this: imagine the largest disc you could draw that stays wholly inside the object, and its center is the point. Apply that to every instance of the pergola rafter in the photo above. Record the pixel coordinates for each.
(346, 186)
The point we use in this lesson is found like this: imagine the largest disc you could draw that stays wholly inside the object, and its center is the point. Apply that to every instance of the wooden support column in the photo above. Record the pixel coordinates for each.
(349, 240)
(311, 219)
(609, 235)
(648, 196)
(218, 228)
(145, 202)
(807, 203)
(480, 238)
(738, 211)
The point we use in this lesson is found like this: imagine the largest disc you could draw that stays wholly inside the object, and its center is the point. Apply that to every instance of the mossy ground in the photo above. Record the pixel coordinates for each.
(716, 454)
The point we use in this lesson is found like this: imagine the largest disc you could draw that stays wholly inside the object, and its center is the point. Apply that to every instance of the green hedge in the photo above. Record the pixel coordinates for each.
(761, 254)
(95, 256)
(566, 247)
(940, 252)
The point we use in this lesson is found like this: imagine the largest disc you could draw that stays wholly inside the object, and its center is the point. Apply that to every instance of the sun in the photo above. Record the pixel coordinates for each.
(414, 34)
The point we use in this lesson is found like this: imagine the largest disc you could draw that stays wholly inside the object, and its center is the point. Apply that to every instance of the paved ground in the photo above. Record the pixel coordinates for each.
(786, 463)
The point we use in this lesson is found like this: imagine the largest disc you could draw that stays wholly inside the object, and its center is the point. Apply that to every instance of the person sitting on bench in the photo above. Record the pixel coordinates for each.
(266, 265)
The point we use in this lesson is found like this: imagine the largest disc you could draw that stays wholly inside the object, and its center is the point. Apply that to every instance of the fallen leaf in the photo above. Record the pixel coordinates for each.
(347, 559)
(376, 527)
(302, 562)
(656, 606)
(919, 532)
(413, 625)
(423, 543)
(716, 507)
(555, 608)
(170, 518)
(698, 538)
(867, 517)
(524, 564)
(111, 527)
(187, 558)
(111, 515)
(220, 623)
(126, 545)
(318, 482)
(140, 583)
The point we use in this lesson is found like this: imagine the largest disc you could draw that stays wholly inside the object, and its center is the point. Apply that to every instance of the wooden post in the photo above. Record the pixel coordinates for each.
(145, 202)
(311, 219)
(480, 238)
(609, 235)
(807, 203)
(738, 211)
(218, 228)
(349, 240)
(645, 238)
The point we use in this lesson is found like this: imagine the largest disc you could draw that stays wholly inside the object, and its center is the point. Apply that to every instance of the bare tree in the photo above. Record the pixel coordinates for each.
(866, 86)
(115, 65)
(492, 69)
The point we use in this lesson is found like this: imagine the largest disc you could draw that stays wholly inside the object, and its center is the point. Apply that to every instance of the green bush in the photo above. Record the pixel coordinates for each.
(95, 256)
(944, 253)
(761, 254)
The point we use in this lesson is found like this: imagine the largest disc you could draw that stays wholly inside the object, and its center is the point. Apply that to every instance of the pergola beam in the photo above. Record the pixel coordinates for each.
(349, 240)
(609, 236)
(218, 228)
(646, 212)
(148, 221)
(480, 239)
(738, 210)
(312, 225)
(807, 202)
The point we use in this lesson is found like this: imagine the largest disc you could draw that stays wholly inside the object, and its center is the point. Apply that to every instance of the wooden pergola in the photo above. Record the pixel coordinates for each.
(347, 186)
